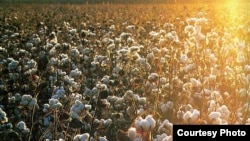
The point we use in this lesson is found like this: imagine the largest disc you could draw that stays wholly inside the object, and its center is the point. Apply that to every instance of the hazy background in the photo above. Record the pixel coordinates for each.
(114, 1)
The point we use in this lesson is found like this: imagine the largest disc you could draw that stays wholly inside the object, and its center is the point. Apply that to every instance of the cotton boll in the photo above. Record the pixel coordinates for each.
(103, 139)
(195, 115)
(26, 99)
(225, 113)
(214, 115)
(84, 137)
(107, 122)
(46, 107)
(87, 107)
(77, 138)
(187, 116)
(138, 122)
(3, 116)
(132, 133)
(145, 125)
(140, 110)
(32, 102)
(247, 68)
(21, 125)
(142, 100)
(151, 121)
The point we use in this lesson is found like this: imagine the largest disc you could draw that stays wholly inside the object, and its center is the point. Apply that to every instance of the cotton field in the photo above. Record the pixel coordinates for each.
(121, 72)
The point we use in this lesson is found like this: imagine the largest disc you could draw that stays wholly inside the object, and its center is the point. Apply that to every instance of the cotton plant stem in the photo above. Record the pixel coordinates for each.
(34, 107)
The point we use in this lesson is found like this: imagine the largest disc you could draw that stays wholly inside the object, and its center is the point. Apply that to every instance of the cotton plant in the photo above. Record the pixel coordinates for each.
(22, 128)
(53, 104)
(183, 109)
(103, 122)
(165, 127)
(3, 116)
(59, 92)
(225, 112)
(78, 109)
(71, 81)
(82, 137)
(191, 116)
(16, 98)
(13, 64)
(163, 137)
(133, 134)
(213, 105)
(28, 101)
(166, 106)
(145, 124)
(215, 118)
(76, 73)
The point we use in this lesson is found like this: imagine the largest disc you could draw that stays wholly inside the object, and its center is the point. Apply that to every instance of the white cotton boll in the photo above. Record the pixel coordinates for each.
(102, 138)
(188, 29)
(195, 115)
(170, 36)
(168, 138)
(32, 102)
(72, 31)
(31, 63)
(130, 27)
(195, 82)
(46, 108)
(138, 122)
(75, 52)
(108, 122)
(60, 92)
(163, 80)
(94, 91)
(142, 100)
(132, 133)
(88, 107)
(225, 113)
(247, 68)
(13, 64)
(154, 34)
(21, 125)
(151, 121)
(76, 138)
(214, 115)
(75, 73)
(153, 76)
(187, 116)
(145, 125)
(3, 115)
(84, 137)
(26, 99)
(140, 110)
